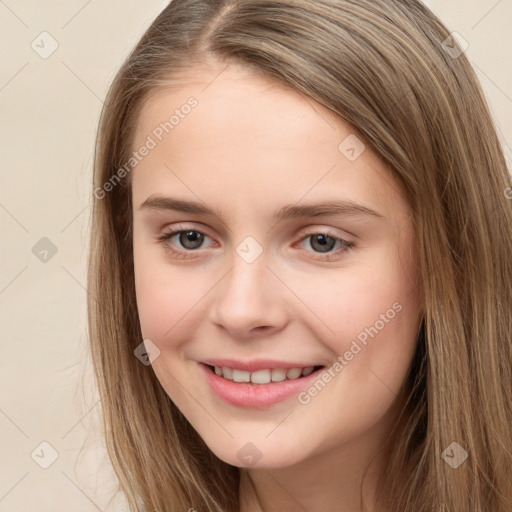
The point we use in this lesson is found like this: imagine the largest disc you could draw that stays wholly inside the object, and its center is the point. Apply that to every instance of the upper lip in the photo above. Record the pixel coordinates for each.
(256, 364)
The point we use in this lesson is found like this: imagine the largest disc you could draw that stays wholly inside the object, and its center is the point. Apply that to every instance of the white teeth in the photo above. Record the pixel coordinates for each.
(227, 373)
(241, 376)
(263, 376)
(260, 377)
(278, 374)
(294, 373)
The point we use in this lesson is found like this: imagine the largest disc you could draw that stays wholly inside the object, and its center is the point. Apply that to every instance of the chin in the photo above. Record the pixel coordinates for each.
(258, 454)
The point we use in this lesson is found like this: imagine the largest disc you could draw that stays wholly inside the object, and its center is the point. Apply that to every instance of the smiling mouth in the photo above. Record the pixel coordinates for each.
(265, 376)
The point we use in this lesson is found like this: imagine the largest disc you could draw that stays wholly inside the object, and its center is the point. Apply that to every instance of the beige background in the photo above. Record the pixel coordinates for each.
(49, 111)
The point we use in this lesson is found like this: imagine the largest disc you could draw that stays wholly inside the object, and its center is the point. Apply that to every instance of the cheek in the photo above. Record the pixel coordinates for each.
(375, 287)
(378, 317)
(168, 299)
(369, 318)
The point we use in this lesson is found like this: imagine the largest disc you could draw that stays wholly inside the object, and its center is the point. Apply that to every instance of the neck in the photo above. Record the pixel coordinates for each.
(343, 478)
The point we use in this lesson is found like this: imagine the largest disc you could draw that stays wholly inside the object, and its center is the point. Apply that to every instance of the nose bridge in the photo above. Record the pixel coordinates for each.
(248, 272)
(247, 299)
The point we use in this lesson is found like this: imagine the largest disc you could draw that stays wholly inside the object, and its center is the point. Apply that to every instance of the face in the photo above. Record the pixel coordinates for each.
(238, 265)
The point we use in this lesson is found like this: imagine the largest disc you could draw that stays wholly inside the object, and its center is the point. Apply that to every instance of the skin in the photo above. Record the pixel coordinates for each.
(250, 147)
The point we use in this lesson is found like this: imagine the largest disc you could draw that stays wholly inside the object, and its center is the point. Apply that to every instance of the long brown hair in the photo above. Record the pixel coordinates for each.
(391, 70)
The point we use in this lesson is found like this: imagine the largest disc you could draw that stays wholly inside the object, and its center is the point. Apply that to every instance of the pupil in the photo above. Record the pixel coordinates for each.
(192, 237)
(324, 246)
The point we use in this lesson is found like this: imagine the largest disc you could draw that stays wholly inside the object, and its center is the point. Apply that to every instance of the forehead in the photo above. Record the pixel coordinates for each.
(250, 137)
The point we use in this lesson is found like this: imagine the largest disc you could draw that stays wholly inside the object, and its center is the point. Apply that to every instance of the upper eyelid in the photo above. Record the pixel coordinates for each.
(180, 228)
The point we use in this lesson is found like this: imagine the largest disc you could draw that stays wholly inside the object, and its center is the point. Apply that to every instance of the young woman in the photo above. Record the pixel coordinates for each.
(300, 273)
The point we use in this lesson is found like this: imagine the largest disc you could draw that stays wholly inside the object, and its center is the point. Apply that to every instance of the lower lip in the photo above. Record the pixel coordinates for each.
(256, 396)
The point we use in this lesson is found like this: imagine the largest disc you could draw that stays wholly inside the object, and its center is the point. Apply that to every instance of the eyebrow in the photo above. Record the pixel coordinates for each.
(310, 210)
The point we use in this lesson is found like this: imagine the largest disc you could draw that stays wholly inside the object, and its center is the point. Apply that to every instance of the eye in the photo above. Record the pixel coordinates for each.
(324, 242)
(189, 239)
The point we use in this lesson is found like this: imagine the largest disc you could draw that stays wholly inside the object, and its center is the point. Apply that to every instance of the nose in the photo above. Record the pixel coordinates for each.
(250, 300)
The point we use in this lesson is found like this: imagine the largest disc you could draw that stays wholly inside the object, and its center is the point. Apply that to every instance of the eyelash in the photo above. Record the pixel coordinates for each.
(164, 238)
